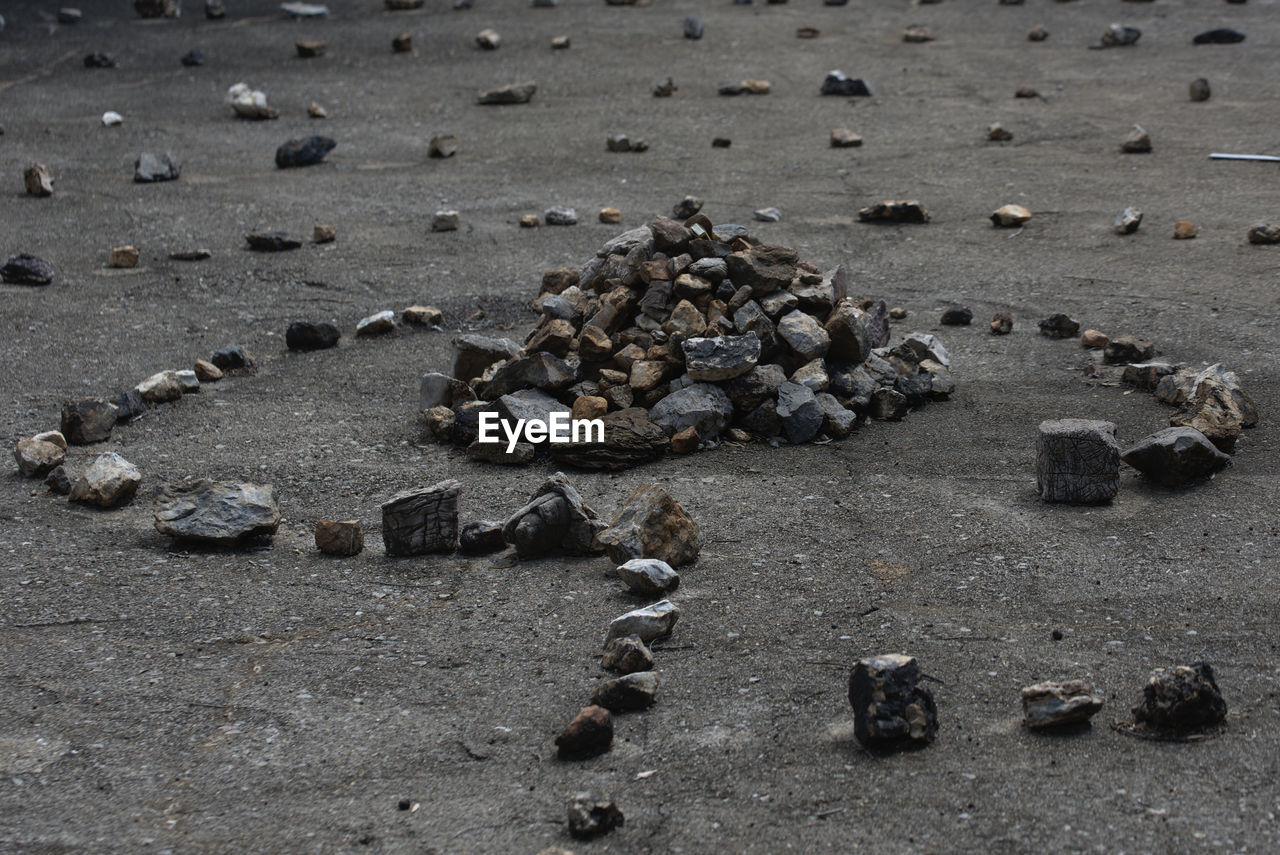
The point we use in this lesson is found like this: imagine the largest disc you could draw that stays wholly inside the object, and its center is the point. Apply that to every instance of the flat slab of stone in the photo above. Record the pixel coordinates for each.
(217, 513)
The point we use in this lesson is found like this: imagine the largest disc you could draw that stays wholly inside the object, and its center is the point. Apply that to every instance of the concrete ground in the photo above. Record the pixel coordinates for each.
(277, 700)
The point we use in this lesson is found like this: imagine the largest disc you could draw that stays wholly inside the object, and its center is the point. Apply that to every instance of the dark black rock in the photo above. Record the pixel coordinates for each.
(130, 405)
(1175, 456)
(481, 538)
(150, 168)
(836, 83)
(692, 27)
(69, 16)
(915, 387)
(890, 706)
(957, 316)
(687, 207)
(59, 480)
(271, 241)
(1125, 350)
(879, 324)
(1220, 36)
(311, 335)
(800, 412)
(214, 10)
(1181, 700)
(591, 815)
(628, 693)
(588, 735)
(721, 142)
(87, 420)
(307, 152)
(25, 269)
(192, 58)
(99, 60)
(231, 358)
(1059, 326)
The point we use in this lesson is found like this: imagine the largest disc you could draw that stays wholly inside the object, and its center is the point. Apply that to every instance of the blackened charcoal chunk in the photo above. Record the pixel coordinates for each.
(231, 358)
(1179, 700)
(890, 707)
(311, 335)
(836, 83)
(305, 152)
(1220, 36)
(25, 269)
(1059, 326)
(480, 538)
(271, 241)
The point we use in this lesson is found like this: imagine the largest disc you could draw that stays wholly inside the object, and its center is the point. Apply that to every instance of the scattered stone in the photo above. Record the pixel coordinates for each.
(110, 481)
(1175, 456)
(214, 10)
(836, 83)
(890, 706)
(917, 34)
(445, 221)
(1264, 233)
(1220, 36)
(324, 233)
(807, 32)
(1200, 90)
(423, 316)
(767, 215)
(37, 179)
(629, 693)
(1137, 141)
(997, 133)
(844, 138)
(402, 43)
(250, 103)
(588, 735)
(156, 8)
(112, 119)
(231, 358)
(1184, 230)
(649, 623)
(1002, 323)
(271, 242)
(1037, 34)
(1059, 326)
(907, 211)
(378, 323)
(481, 538)
(1077, 461)
(311, 335)
(488, 39)
(957, 316)
(1094, 339)
(344, 537)
(692, 27)
(1052, 705)
(99, 60)
(68, 15)
(191, 255)
(88, 420)
(650, 577)
(1181, 700)
(59, 480)
(591, 815)
(1121, 36)
(898, 313)
(37, 457)
(560, 215)
(686, 207)
(123, 256)
(311, 48)
(444, 145)
(1125, 349)
(207, 372)
(150, 168)
(1010, 216)
(560, 43)
(530, 221)
(514, 93)
(664, 88)
(190, 59)
(315, 111)
(304, 152)
(521, 454)
(555, 520)
(161, 388)
(756, 87)
(1217, 406)
(26, 269)
(626, 655)
(611, 216)
(423, 521)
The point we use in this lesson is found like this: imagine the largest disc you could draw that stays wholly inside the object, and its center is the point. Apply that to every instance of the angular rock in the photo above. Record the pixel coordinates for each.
(149, 168)
(26, 269)
(799, 411)
(560, 215)
(555, 520)
(521, 454)
(1121, 36)
(37, 457)
(473, 353)
(686, 207)
(721, 357)
(652, 525)
(589, 734)
(1059, 326)
(630, 438)
(488, 39)
(1077, 461)
(1264, 233)
(837, 83)
(37, 179)
(271, 242)
(109, 482)
(1181, 700)
(1125, 349)
(626, 655)
(59, 480)
(1218, 407)
(231, 358)
(702, 406)
(891, 211)
(304, 152)
(88, 420)
(423, 521)
(323, 233)
(628, 693)
(441, 390)
(1175, 456)
(161, 388)
(804, 335)
(422, 316)
(997, 133)
(1094, 339)
(849, 331)
(217, 513)
(837, 421)
(311, 335)
(1002, 323)
(844, 138)
(890, 705)
(651, 622)
(1010, 216)
(481, 538)
(648, 576)
(1137, 141)
(378, 323)
(123, 257)
(1050, 705)
(344, 537)
(514, 93)
(445, 221)
(311, 48)
(591, 815)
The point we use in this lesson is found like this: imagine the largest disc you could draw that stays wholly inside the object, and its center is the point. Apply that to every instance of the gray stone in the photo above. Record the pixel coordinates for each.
(1181, 700)
(758, 385)
(37, 457)
(751, 318)
(441, 390)
(626, 655)
(721, 357)
(1218, 407)
(764, 269)
(591, 815)
(534, 371)
(307, 151)
(714, 270)
(692, 27)
(629, 693)
(652, 524)
(521, 454)
(1049, 705)
(1077, 461)
(473, 353)
(514, 93)
(481, 537)
(423, 521)
(217, 513)
(1127, 221)
(849, 329)
(630, 438)
(1147, 375)
(59, 480)
(445, 221)
(555, 520)
(1118, 35)
(378, 323)
(888, 405)
(442, 145)
(837, 422)
(648, 576)
(1059, 326)
(702, 406)
(1125, 350)
(800, 412)
(767, 215)
(804, 335)
(109, 481)
(149, 168)
(1137, 141)
(890, 705)
(88, 420)
(1175, 456)
(161, 388)
(779, 303)
(528, 404)
(651, 622)
(851, 384)
(812, 374)
(924, 346)
(26, 269)
(560, 215)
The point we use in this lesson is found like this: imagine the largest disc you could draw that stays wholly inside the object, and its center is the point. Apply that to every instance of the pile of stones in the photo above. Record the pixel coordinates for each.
(679, 335)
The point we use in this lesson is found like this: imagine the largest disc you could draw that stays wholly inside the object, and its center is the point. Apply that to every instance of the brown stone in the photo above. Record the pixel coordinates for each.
(344, 537)
(844, 138)
(207, 372)
(555, 281)
(123, 256)
(38, 180)
(1002, 323)
(1184, 230)
(324, 233)
(996, 133)
(652, 525)
(554, 336)
(530, 221)
(589, 734)
(594, 345)
(423, 316)
(589, 407)
(1094, 339)
(686, 441)
(611, 216)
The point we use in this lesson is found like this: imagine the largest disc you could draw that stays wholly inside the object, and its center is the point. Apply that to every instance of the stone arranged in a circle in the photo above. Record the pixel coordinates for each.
(514, 93)
(311, 335)
(339, 537)
(838, 83)
(1055, 705)
(423, 521)
(555, 520)
(110, 481)
(589, 734)
(1077, 461)
(481, 538)
(626, 654)
(271, 241)
(39, 455)
(88, 420)
(217, 513)
(304, 152)
(891, 707)
(1059, 326)
(1181, 700)
(629, 693)
(895, 211)
(26, 269)
(591, 815)
(649, 623)
(1175, 456)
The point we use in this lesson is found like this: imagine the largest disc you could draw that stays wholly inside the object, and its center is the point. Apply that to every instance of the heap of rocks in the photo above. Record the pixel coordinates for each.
(677, 335)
